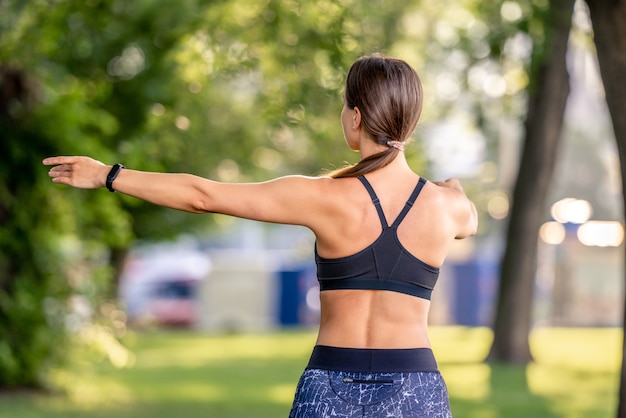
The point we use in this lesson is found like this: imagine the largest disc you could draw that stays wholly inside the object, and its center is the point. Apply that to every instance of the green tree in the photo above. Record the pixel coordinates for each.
(547, 96)
(215, 88)
(608, 19)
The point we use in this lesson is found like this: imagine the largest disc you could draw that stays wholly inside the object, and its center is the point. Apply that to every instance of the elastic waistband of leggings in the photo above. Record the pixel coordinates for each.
(368, 360)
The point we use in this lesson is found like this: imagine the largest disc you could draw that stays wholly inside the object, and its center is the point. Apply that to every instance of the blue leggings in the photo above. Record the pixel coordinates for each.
(417, 392)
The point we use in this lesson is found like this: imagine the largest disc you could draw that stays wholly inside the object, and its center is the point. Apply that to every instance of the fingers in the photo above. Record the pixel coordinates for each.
(60, 170)
(443, 183)
(59, 160)
(60, 174)
(451, 183)
(80, 172)
(62, 167)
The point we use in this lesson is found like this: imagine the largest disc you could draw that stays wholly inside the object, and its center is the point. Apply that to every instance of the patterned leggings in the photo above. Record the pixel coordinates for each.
(327, 393)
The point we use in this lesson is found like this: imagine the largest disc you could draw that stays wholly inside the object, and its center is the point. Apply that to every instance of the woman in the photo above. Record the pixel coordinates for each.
(382, 232)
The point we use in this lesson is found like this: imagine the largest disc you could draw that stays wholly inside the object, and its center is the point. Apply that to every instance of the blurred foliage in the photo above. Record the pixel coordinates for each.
(214, 88)
(474, 60)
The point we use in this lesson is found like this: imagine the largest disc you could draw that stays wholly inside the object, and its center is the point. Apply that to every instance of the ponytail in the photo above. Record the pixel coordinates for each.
(366, 165)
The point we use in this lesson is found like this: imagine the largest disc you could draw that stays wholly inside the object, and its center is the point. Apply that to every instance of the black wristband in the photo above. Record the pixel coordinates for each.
(115, 170)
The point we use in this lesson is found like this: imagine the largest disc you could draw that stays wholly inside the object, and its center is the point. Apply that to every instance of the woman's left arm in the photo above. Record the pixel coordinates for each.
(291, 200)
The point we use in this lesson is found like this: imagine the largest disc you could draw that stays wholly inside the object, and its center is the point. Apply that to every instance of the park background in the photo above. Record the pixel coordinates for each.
(111, 307)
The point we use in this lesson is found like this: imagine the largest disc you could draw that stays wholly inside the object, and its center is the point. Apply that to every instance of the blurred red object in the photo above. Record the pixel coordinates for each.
(173, 303)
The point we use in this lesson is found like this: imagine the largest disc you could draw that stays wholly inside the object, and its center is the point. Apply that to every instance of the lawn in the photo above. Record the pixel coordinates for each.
(185, 374)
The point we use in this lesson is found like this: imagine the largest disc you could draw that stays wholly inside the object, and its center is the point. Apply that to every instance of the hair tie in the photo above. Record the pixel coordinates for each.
(399, 145)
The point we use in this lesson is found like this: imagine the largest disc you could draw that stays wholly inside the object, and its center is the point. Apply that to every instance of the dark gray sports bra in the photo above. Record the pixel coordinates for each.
(383, 265)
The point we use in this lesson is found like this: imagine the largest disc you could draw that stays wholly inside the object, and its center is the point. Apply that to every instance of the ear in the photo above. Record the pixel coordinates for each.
(356, 118)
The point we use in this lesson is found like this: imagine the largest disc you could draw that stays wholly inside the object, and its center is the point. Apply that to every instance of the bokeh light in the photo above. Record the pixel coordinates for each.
(552, 233)
(511, 11)
(601, 233)
(570, 210)
(183, 123)
(498, 206)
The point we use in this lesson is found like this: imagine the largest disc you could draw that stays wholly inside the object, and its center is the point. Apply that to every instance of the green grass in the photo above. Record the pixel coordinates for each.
(184, 374)
(575, 374)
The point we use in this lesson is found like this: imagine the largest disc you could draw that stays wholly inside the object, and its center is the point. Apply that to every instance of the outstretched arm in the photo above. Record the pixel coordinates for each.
(291, 200)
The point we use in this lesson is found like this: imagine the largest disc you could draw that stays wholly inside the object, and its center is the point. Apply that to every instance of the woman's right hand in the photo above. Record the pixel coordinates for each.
(79, 172)
(450, 184)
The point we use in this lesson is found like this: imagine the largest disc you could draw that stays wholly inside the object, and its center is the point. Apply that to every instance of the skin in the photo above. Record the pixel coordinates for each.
(340, 214)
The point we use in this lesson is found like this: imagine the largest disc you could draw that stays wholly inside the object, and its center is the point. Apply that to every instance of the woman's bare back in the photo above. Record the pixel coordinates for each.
(381, 318)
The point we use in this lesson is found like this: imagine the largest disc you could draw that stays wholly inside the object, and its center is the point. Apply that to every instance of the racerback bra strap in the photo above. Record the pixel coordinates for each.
(409, 203)
(372, 193)
(379, 209)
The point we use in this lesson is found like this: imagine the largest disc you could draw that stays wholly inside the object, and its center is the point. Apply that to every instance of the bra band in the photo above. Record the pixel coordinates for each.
(377, 284)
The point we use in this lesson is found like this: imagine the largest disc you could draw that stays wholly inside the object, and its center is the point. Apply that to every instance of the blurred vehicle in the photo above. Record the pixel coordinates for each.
(159, 285)
(174, 302)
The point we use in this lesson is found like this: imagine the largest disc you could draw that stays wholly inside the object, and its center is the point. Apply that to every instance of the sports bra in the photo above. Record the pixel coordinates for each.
(383, 265)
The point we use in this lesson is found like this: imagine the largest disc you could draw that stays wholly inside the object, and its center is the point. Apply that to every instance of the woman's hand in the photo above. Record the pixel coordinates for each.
(80, 172)
(450, 184)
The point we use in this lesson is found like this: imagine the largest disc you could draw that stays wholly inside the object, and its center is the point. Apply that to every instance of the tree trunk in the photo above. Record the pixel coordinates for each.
(117, 261)
(608, 18)
(548, 94)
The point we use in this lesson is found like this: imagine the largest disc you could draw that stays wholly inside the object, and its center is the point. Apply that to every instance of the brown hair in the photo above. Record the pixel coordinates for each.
(388, 92)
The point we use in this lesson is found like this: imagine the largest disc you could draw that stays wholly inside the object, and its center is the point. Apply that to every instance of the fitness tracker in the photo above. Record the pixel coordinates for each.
(115, 170)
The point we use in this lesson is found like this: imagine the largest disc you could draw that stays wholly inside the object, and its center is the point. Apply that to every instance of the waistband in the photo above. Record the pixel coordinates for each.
(366, 360)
